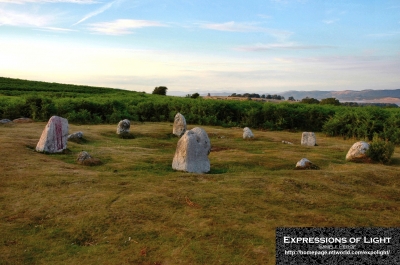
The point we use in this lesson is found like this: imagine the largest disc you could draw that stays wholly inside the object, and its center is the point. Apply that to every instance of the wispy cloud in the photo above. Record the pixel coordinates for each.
(232, 26)
(122, 26)
(55, 29)
(96, 12)
(49, 1)
(246, 27)
(13, 18)
(330, 21)
(280, 46)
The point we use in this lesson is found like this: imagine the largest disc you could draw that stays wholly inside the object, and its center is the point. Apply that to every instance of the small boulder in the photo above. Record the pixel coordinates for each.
(304, 163)
(23, 120)
(358, 152)
(4, 121)
(54, 136)
(247, 133)
(308, 139)
(192, 151)
(75, 136)
(123, 127)
(84, 158)
(286, 142)
(179, 125)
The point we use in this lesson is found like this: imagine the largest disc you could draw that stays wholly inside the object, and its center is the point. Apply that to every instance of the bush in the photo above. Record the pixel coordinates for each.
(380, 150)
(330, 101)
(160, 90)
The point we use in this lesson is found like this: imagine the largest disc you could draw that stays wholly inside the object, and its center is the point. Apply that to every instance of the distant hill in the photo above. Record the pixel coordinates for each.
(346, 95)
(363, 96)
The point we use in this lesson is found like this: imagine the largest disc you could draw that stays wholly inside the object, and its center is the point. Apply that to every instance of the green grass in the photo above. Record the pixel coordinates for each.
(134, 209)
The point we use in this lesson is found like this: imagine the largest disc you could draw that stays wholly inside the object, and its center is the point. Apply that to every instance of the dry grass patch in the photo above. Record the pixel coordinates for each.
(134, 209)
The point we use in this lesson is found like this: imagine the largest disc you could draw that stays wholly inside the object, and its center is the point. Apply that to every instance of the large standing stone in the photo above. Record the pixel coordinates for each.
(179, 125)
(54, 136)
(358, 151)
(308, 139)
(123, 127)
(192, 152)
(247, 133)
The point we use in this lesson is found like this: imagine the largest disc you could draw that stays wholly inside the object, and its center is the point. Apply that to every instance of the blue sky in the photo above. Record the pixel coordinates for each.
(261, 46)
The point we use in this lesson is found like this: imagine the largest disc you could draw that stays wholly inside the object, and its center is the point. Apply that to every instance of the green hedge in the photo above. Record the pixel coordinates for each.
(91, 105)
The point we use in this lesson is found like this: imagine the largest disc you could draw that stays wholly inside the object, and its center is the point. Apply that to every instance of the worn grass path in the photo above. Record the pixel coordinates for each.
(134, 209)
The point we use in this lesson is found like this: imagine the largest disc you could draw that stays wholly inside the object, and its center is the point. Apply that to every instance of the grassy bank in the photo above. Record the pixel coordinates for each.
(134, 209)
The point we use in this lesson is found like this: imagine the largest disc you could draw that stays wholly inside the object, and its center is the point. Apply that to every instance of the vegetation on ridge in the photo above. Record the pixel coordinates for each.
(91, 105)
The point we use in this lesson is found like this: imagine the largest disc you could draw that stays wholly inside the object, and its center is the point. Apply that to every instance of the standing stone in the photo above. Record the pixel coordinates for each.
(308, 139)
(247, 133)
(358, 151)
(123, 127)
(179, 125)
(54, 136)
(192, 151)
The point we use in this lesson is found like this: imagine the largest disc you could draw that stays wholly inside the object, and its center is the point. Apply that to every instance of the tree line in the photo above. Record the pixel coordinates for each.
(255, 95)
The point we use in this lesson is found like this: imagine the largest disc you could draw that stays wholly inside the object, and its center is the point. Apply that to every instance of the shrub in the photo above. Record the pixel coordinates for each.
(380, 150)
(330, 101)
(160, 90)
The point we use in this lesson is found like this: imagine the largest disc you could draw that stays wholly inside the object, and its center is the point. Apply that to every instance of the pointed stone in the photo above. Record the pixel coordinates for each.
(192, 151)
(54, 136)
(179, 125)
(247, 133)
(123, 127)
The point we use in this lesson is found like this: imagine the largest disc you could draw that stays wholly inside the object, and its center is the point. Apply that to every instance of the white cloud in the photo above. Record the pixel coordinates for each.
(122, 26)
(232, 26)
(49, 1)
(12, 18)
(280, 46)
(56, 29)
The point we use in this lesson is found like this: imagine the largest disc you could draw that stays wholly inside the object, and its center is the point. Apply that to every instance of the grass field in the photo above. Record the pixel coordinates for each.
(134, 209)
